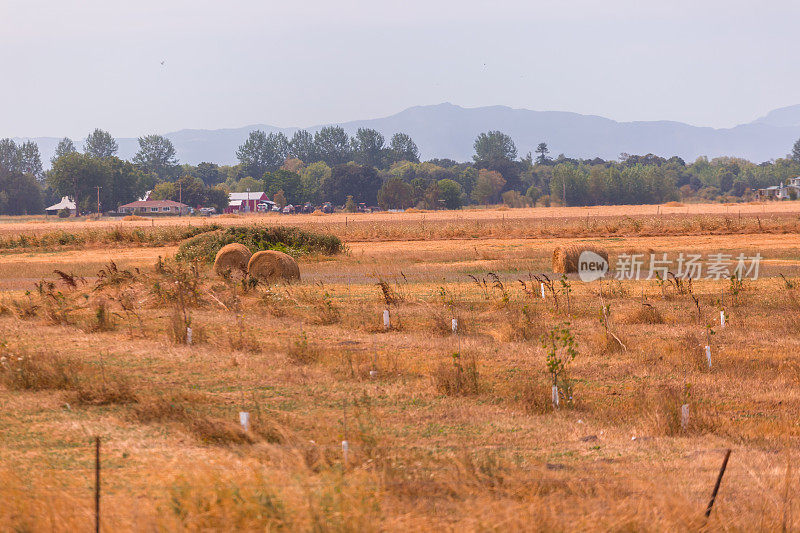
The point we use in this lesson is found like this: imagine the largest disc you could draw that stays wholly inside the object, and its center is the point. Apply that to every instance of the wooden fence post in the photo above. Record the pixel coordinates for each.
(97, 484)
(717, 484)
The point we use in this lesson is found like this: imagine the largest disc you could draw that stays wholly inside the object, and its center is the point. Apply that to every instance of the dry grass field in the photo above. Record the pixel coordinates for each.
(446, 431)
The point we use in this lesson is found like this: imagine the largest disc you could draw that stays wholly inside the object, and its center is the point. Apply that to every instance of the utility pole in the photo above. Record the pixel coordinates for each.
(98, 200)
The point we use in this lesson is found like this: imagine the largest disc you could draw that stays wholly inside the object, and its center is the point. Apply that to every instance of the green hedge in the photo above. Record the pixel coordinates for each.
(292, 241)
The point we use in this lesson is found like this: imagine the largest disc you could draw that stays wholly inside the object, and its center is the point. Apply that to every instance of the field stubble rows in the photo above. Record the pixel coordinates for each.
(435, 441)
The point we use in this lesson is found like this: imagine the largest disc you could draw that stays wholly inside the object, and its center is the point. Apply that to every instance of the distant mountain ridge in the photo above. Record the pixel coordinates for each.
(448, 131)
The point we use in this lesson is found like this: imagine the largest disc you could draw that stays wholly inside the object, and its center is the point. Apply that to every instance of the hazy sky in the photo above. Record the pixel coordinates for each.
(69, 66)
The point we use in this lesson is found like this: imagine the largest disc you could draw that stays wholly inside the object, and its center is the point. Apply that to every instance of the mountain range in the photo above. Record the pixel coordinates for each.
(448, 131)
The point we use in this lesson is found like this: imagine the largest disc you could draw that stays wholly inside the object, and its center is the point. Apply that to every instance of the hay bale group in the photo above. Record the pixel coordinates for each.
(268, 265)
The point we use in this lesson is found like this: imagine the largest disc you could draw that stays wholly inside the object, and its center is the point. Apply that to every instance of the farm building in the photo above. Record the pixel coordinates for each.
(245, 202)
(781, 192)
(776, 192)
(155, 207)
(65, 203)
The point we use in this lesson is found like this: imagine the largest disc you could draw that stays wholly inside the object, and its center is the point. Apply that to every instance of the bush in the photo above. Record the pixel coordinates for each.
(64, 213)
(292, 241)
(515, 200)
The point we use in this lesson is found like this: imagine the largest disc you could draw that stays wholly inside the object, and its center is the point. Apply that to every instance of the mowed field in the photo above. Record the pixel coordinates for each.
(445, 431)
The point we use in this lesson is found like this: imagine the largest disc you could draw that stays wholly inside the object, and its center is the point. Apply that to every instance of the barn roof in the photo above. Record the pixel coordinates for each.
(65, 203)
(154, 203)
(252, 195)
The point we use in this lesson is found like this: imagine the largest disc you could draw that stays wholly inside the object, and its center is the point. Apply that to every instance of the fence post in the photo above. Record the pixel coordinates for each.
(717, 484)
(97, 484)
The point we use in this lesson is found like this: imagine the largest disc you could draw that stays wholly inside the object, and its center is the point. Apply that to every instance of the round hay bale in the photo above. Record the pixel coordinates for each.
(565, 258)
(232, 258)
(271, 265)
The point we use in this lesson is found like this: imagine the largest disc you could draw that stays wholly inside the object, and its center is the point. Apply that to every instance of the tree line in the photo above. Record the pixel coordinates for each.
(331, 166)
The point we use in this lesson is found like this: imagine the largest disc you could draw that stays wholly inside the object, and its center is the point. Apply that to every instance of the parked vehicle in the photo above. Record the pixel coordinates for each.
(288, 209)
(265, 206)
(327, 207)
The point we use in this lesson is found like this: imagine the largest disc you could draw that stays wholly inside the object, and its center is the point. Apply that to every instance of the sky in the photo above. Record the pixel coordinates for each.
(155, 66)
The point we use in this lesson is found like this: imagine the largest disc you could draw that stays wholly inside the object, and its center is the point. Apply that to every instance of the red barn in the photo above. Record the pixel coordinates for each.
(245, 202)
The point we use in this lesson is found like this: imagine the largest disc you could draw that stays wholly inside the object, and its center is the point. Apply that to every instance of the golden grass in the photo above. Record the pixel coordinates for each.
(445, 431)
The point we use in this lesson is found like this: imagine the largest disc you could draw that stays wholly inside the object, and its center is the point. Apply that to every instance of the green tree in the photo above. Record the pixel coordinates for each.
(796, 152)
(488, 187)
(467, 177)
(209, 173)
(217, 198)
(302, 147)
(19, 193)
(542, 151)
(248, 183)
(395, 194)
(570, 180)
(156, 155)
(354, 180)
(262, 153)
(312, 177)
(494, 145)
(186, 189)
(65, 146)
(286, 181)
(403, 148)
(450, 192)
(368, 147)
(514, 199)
(495, 151)
(29, 159)
(533, 194)
(9, 155)
(418, 188)
(166, 190)
(431, 196)
(100, 144)
(76, 175)
(279, 199)
(332, 145)
(123, 182)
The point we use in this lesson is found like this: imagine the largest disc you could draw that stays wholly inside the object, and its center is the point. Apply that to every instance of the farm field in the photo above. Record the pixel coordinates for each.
(446, 430)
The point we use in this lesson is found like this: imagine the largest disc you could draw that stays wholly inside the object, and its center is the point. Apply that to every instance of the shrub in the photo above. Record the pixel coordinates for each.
(64, 213)
(301, 352)
(457, 379)
(52, 371)
(45, 371)
(560, 345)
(645, 314)
(292, 241)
